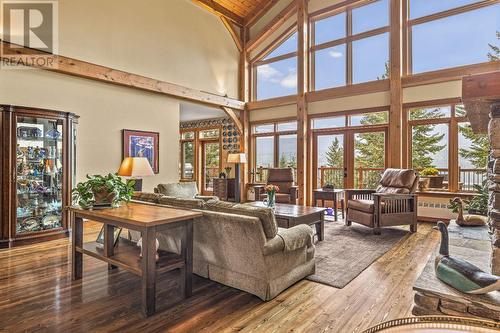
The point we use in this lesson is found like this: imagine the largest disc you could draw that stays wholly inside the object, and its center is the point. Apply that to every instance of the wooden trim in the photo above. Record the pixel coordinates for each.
(275, 59)
(230, 112)
(449, 74)
(234, 35)
(272, 26)
(275, 43)
(220, 10)
(74, 67)
(259, 12)
(432, 103)
(453, 11)
(396, 90)
(350, 38)
(272, 121)
(272, 102)
(350, 113)
(327, 11)
(302, 112)
(349, 90)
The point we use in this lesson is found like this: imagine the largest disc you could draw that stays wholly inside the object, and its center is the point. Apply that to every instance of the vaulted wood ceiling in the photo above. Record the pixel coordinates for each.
(238, 11)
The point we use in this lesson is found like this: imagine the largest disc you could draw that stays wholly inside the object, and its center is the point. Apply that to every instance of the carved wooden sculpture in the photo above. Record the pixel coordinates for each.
(469, 219)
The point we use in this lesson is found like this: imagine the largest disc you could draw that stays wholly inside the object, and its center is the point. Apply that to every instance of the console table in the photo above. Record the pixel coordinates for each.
(149, 220)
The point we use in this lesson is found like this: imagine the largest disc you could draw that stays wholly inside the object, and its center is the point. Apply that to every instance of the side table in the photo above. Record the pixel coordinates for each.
(333, 195)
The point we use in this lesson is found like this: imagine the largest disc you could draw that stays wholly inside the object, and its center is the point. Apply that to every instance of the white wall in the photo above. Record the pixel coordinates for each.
(172, 40)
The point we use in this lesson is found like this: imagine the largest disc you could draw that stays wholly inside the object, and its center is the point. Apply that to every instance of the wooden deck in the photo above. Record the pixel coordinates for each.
(37, 294)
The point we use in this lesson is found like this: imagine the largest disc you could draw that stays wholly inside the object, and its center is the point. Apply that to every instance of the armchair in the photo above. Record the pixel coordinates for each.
(283, 178)
(393, 203)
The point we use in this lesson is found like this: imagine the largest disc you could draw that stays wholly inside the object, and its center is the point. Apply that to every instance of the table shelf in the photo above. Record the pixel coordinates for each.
(126, 256)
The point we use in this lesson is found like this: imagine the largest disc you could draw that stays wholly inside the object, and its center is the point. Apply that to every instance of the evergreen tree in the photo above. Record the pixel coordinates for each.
(494, 55)
(424, 142)
(335, 154)
(477, 153)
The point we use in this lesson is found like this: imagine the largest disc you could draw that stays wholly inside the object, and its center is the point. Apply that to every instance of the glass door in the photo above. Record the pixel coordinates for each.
(211, 164)
(369, 158)
(39, 174)
(329, 160)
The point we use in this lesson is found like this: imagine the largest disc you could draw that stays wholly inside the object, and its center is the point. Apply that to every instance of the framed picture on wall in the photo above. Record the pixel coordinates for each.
(142, 144)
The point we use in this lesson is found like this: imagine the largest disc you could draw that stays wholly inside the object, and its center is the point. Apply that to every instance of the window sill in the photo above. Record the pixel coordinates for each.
(445, 194)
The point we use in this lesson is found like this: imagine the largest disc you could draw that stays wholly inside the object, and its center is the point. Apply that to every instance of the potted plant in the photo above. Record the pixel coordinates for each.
(432, 174)
(100, 190)
(271, 194)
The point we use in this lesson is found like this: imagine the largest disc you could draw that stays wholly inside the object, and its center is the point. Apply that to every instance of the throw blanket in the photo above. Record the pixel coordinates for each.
(294, 237)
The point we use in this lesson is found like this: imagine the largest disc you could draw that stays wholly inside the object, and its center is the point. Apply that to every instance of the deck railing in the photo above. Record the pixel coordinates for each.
(369, 177)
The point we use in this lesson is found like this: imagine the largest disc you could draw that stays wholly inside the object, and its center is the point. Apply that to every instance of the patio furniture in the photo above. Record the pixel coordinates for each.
(393, 203)
(283, 178)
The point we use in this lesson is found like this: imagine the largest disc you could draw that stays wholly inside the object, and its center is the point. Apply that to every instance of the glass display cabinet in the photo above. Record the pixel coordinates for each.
(38, 165)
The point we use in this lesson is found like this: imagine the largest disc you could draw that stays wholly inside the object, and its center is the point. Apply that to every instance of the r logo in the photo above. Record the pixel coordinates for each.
(31, 24)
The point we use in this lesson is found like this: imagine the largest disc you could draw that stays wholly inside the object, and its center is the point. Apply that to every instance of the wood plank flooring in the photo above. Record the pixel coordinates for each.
(37, 295)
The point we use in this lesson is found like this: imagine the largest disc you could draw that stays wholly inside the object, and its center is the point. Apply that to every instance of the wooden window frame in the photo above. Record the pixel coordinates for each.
(181, 142)
(453, 123)
(275, 134)
(408, 24)
(347, 40)
(347, 131)
(258, 59)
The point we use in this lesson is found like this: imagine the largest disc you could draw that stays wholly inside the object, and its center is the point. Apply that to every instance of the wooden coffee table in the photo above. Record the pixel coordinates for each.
(288, 216)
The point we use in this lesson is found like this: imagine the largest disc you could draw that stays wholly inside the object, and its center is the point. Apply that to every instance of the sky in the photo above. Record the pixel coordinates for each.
(449, 42)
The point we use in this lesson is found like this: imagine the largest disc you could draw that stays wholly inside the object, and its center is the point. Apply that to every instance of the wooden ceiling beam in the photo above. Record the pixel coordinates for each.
(259, 12)
(74, 67)
(272, 26)
(234, 34)
(220, 10)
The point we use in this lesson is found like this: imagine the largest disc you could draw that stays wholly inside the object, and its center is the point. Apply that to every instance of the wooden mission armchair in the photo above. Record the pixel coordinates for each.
(393, 203)
(283, 178)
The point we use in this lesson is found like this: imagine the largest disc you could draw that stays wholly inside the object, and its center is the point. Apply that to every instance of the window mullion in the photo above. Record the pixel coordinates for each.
(349, 47)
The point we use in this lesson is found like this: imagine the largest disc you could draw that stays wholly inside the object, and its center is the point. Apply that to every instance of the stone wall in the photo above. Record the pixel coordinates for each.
(494, 185)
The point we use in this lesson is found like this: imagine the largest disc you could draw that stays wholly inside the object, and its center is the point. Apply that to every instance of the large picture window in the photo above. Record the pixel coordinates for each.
(433, 132)
(451, 33)
(274, 146)
(275, 74)
(351, 46)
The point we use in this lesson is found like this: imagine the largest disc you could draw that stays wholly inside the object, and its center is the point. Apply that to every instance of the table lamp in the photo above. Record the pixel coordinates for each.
(135, 167)
(237, 159)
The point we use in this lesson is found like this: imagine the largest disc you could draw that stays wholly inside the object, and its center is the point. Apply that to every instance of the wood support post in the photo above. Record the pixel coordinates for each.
(244, 114)
(302, 86)
(396, 93)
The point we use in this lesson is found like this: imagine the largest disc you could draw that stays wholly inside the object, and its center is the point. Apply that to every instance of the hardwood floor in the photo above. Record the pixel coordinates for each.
(37, 295)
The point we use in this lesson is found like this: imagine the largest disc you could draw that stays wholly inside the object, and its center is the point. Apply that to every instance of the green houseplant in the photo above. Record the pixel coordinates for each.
(432, 174)
(101, 190)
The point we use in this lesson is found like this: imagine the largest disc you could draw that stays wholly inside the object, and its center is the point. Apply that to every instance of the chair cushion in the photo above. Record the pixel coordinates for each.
(178, 190)
(284, 186)
(398, 181)
(360, 217)
(362, 205)
(265, 215)
(280, 175)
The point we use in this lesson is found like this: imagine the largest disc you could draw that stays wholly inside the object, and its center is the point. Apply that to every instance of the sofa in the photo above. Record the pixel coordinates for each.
(240, 245)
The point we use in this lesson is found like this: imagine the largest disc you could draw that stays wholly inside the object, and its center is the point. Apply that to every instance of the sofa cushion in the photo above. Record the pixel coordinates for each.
(146, 196)
(280, 175)
(265, 215)
(181, 202)
(362, 205)
(178, 190)
(398, 181)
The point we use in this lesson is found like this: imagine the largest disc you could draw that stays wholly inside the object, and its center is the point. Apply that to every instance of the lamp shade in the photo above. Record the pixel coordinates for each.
(135, 167)
(237, 158)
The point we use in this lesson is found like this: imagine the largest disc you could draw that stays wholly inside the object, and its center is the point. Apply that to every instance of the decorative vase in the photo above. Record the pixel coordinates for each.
(271, 199)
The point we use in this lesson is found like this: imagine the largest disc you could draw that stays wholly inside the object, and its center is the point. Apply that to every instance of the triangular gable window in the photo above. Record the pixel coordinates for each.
(288, 46)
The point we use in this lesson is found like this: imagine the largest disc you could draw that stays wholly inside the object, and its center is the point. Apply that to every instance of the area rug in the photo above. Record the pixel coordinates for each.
(348, 251)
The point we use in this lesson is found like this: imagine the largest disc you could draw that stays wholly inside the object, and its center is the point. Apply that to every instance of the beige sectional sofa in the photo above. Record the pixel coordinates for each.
(240, 245)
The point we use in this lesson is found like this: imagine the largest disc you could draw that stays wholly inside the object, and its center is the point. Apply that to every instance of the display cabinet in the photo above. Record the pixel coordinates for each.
(38, 164)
